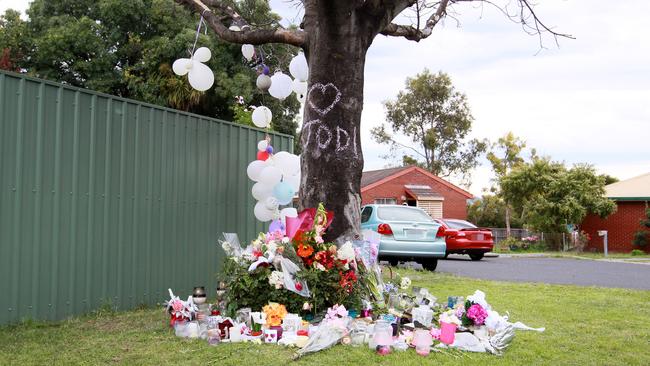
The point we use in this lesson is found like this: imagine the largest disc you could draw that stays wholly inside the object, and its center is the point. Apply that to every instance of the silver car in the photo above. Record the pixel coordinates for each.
(407, 233)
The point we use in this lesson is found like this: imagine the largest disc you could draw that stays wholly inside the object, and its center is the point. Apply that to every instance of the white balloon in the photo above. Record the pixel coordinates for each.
(298, 67)
(182, 66)
(234, 28)
(254, 169)
(200, 76)
(262, 117)
(288, 212)
(262, 145)
(262, 213)
(248, 50)
(271, 203)
(284, 162)
(270, 176)
(261, 191)
(294, 181)
(280, 85)
(299, 87)
(263, 82)
(203, 54)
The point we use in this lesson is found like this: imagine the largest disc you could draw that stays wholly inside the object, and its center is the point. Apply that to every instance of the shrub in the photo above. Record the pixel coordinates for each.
(640, 239)
(637, 252)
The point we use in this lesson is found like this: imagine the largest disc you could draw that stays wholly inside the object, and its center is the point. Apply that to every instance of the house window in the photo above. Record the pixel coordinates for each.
(385, 201)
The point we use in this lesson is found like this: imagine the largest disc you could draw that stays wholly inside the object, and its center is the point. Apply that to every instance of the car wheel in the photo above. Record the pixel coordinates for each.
(476, 256)
(393, 262)
(430, 264)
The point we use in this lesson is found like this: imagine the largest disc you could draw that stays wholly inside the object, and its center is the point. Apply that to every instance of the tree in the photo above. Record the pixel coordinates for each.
(126, 48)
(509, 147)
(437, 119)
(609, 179)
(552, 196)
(642, 237)
(489, 211)
(335, 35)
(14, 42)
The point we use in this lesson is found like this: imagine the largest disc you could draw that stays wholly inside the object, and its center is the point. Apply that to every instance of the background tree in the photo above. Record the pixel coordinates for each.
(14, 40)
(505, 155)
(552, 196)
(126, 48)
(641, 237)
(437, 119)
(489, 211)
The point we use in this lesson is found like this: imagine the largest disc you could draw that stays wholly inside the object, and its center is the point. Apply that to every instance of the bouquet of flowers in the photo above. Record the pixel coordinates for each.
(293, 265)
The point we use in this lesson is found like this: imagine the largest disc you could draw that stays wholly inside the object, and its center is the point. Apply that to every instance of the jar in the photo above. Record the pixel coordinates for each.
(423, 315)
(422, 341)
(383, 334)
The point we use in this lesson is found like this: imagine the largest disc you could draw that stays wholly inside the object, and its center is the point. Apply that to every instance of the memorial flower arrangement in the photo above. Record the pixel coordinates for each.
(293, 265)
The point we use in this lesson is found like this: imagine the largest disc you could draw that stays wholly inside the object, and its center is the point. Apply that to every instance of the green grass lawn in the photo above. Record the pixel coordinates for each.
(584, 326)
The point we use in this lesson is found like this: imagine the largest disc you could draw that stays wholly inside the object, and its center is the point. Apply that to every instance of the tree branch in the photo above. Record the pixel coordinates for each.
(526, 16)
(246, 35)
(415, 33)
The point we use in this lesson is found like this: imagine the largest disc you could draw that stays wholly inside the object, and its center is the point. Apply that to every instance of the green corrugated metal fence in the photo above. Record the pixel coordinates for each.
(104, 199)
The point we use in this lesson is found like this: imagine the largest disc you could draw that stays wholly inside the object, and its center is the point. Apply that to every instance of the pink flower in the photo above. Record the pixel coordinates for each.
(435, 333)
(477, 314)
(177, 305)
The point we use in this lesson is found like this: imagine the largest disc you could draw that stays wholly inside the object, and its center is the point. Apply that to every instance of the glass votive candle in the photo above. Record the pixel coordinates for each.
(422, 340)
(383, 336)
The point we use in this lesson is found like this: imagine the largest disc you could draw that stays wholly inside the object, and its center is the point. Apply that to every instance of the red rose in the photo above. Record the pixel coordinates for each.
(298, 286)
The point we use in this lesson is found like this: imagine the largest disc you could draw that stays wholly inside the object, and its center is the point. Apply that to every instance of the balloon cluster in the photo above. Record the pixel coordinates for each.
(277, 177)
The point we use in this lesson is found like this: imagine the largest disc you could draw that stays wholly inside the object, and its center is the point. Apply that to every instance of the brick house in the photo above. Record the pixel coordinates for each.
(415, 186)
(632, 198)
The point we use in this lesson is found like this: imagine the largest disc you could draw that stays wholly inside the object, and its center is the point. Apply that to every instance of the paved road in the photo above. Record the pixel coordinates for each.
(551, 270)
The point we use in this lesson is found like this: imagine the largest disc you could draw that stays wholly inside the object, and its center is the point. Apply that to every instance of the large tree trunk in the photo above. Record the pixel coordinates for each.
(332, 161)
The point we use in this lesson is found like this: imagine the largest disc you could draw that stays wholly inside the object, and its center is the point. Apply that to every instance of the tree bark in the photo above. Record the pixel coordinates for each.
(332, 160)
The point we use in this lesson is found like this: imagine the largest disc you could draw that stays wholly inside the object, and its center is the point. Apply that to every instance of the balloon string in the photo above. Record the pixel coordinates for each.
(198, 32)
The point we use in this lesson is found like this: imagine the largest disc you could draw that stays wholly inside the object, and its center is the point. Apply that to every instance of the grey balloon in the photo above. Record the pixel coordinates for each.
(263, 82)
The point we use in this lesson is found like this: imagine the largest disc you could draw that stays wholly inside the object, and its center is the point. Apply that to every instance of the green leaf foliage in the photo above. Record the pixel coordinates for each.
(552, 196)
(126, 48)
(437, 119)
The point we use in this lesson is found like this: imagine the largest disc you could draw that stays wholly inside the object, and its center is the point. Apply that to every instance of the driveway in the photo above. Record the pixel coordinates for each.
(551, 270)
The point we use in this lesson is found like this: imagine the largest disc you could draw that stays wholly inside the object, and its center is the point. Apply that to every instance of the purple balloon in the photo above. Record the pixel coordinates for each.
(275, 226)
(266, 70)
(269, 149)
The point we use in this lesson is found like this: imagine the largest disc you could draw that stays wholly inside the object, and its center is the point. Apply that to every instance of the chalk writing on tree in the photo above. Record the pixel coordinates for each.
(322, 98)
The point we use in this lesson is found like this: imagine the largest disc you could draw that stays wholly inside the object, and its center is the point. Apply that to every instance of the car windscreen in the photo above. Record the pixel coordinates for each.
(459, 224)
(401, 213)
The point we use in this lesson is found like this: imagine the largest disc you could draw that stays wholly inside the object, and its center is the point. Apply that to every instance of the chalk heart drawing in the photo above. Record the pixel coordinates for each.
(323, 97)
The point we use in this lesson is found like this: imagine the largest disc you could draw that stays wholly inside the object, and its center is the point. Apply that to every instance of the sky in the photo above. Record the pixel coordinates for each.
(586, 101)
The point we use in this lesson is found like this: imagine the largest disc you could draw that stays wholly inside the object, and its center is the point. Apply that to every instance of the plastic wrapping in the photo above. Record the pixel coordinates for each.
(289, 270)
(328, 334)
(233, 247)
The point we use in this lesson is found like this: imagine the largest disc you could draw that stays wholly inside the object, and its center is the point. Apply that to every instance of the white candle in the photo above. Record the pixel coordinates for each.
(235, 334)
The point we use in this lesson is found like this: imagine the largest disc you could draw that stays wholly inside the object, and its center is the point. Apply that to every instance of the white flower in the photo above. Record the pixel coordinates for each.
(227, 247)
(271, 247)
(346, 252)
(285, 240)
(276, 278)
(306, 306)
(449, 317)
(405, 283)
(319, 266)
